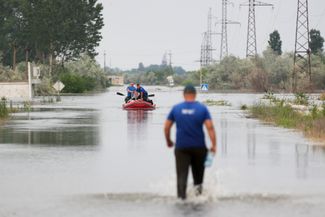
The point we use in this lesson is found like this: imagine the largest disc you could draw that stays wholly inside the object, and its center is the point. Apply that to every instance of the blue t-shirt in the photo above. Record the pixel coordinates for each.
(132, 89)
(189, 118)
(142, 90)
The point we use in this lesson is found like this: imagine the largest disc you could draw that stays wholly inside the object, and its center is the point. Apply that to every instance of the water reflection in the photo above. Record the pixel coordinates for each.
(224, 136)
(302, 158)
(251, 141)
(274, 152)
(137, 117)
(27, 131)
(137, 127)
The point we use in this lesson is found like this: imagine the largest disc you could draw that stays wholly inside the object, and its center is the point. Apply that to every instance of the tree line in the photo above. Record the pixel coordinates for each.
(270, 71)
(153, 74)
(45, 31)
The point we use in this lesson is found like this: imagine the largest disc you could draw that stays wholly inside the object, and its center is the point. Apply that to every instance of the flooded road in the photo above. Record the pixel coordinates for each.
(88, 157)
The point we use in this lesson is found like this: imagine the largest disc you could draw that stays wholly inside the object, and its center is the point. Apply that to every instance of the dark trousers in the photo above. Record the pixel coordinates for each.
(145, 97)
(186, 158)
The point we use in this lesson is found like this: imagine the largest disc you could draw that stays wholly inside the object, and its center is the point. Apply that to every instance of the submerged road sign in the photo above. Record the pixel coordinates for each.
(204, 87)
(58, 86)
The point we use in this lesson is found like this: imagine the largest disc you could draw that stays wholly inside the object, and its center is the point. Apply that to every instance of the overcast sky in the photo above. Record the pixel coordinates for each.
(142, 30)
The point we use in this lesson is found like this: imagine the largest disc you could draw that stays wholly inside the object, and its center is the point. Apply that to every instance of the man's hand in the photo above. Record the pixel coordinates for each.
(213, 137)
(170, 143)
(168, 126)
(213, 149)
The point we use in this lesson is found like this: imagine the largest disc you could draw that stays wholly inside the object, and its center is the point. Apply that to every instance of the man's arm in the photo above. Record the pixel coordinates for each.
(212, 134)
(168, 126)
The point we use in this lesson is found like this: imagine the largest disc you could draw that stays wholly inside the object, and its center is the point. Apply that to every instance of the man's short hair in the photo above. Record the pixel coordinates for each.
(189, 89)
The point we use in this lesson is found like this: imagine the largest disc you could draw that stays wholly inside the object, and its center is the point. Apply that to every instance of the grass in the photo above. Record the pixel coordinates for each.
(211, 102)
(301, 99)
(4, 112)
(312, 124)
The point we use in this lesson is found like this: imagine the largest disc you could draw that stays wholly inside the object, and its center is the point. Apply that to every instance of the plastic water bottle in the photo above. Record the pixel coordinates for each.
(209, 159)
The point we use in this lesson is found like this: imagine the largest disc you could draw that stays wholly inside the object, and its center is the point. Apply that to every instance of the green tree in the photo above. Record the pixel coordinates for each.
(275, 42)
(48, 29)
(141, 67)
(316, 41)
(12, 27)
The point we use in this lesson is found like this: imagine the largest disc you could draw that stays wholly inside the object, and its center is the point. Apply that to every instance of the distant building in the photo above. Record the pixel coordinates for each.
(170, 80)
(116, 80)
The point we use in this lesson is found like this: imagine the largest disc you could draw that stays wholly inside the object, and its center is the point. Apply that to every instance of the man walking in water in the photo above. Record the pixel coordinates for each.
(190, 149)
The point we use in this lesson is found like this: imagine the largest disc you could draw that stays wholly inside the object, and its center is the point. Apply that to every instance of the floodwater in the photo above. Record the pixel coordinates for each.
(86, 156)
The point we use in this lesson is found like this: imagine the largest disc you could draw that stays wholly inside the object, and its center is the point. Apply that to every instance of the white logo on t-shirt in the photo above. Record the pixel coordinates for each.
(188, 111)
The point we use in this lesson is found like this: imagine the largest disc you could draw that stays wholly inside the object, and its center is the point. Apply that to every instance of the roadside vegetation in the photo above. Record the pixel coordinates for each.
(83, 75)
(4, 112)
(9, 107)
(211, 102)
(298, 113)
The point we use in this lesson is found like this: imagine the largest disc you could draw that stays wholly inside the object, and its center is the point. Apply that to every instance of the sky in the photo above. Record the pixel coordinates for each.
(143, 30)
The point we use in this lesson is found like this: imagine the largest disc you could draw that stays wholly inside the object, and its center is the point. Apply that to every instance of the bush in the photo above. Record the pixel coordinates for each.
(243, 107)
(75, 83)
(82, 75)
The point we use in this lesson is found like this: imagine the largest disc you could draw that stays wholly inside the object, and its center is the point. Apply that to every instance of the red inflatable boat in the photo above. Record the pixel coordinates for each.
(138, 105)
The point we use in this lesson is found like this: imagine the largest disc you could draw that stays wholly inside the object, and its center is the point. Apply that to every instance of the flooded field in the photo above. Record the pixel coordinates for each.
(86, 156)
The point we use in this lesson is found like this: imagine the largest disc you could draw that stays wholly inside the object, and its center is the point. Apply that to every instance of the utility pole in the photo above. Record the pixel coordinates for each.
(170, 61)
(206, 46)
(251, 48)
(164, 61)
(302, 62)
(224, 29)
(170, 58)
(104, 61)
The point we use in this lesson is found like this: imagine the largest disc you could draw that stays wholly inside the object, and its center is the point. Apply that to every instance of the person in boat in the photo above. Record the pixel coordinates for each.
(190, 150)
(130, 92)
(142, 94)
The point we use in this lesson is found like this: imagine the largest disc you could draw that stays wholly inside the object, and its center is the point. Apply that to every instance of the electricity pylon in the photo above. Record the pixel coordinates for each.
(302, 63)
(251, 47)
(206, 46)
(224, 29)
